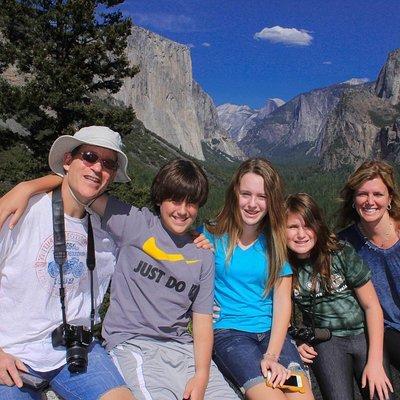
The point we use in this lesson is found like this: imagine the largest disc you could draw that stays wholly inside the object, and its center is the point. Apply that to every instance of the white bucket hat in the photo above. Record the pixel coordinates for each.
(94, 135)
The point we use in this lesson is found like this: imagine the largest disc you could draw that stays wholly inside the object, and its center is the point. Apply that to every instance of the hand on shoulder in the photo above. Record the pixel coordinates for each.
(13, 204)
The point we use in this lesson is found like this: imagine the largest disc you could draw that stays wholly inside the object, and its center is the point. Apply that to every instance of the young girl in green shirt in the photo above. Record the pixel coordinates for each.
(333, 290)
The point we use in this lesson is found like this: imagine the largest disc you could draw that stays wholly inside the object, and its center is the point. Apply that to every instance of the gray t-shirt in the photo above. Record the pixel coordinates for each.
(159, 279)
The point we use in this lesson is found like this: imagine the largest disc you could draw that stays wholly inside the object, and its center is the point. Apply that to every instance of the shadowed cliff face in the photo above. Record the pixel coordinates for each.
(213, 133)
(298, 121)
(388, 83)
(365, 124)
(165, 97)
(350, 133)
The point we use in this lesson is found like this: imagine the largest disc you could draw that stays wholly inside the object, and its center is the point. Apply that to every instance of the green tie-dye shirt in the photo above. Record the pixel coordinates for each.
(339, 309)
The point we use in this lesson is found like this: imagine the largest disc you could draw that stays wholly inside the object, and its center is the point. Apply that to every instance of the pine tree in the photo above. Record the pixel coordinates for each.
(67, 51)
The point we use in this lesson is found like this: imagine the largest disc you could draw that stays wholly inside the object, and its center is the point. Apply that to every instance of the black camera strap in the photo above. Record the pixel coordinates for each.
(60, 253)
(60, 248)
(313, 302)
(91, 264)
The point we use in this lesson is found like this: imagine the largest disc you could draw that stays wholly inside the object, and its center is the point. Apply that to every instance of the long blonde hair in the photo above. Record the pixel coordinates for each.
(365, 172)
(273, 225)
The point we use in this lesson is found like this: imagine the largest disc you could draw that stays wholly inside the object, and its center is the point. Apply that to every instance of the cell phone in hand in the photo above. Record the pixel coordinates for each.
(293, 384)
(33, 382)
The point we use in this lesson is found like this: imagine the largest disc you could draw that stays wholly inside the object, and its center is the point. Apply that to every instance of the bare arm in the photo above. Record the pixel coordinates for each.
(374, 371)
(203, 342)
(16, 200)
(282, 308)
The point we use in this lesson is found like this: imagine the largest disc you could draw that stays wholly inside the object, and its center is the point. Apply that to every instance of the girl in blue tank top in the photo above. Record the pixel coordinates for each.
(253, 286)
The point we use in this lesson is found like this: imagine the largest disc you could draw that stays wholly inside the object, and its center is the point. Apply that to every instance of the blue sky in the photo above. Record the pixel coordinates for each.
(244, 52)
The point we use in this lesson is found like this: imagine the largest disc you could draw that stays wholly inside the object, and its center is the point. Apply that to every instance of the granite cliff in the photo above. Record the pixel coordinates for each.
(167, 99)
(365, 124)
(388, 83)
(299, 121)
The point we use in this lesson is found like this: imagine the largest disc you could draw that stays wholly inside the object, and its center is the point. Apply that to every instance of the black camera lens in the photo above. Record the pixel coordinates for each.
(76, 339)
(77, 358)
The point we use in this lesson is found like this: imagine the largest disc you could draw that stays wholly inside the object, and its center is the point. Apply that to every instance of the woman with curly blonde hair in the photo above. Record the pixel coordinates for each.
(370, 216)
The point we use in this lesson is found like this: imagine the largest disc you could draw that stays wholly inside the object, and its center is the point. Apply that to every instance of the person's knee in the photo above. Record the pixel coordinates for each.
(262, 391)
(119, 393)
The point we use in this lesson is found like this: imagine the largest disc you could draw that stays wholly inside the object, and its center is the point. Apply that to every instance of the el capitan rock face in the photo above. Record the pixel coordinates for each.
(167, 99)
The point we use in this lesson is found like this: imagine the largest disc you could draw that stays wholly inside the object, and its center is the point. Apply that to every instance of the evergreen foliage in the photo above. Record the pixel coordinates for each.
(66, 51)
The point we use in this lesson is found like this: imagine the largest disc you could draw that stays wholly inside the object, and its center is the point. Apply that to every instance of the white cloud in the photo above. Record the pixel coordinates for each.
(327, 62)
(291, 36)
(190, 45)
(206, 44)
(165, 22)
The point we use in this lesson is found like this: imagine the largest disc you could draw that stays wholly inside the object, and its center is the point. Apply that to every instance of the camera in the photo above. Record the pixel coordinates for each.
(310, 335)
(76, 339)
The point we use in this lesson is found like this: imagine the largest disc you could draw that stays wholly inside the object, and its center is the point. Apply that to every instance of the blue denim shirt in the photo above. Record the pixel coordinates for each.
(385, 268)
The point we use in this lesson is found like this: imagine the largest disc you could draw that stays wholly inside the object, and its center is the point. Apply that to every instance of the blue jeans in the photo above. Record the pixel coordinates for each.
(101, 377)
(339, 360)
(238, 355)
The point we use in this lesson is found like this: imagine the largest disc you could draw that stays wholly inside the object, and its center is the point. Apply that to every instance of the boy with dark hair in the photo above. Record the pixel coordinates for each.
(177, 180)
(161, 281)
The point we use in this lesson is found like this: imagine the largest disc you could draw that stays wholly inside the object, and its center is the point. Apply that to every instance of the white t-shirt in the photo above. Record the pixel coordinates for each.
(30, 306)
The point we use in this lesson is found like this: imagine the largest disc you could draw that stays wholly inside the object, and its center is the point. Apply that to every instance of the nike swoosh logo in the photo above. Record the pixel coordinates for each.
(150, 247)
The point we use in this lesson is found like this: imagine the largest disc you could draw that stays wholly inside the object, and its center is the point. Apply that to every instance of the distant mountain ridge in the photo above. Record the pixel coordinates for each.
(238, 120)
(342, 124)
(298, 121)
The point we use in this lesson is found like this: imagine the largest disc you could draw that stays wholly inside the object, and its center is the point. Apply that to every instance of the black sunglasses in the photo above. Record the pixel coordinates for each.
(91, 158)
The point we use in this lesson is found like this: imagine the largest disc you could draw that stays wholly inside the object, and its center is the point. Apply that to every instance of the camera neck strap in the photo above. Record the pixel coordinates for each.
(313, 301)
(60, 252)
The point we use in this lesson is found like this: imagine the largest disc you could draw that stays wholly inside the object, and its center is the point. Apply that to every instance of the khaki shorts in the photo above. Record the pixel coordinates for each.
(156, 370)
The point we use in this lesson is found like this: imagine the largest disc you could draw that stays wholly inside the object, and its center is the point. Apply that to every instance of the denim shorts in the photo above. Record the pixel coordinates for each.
(238, 355)
(101, 376)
